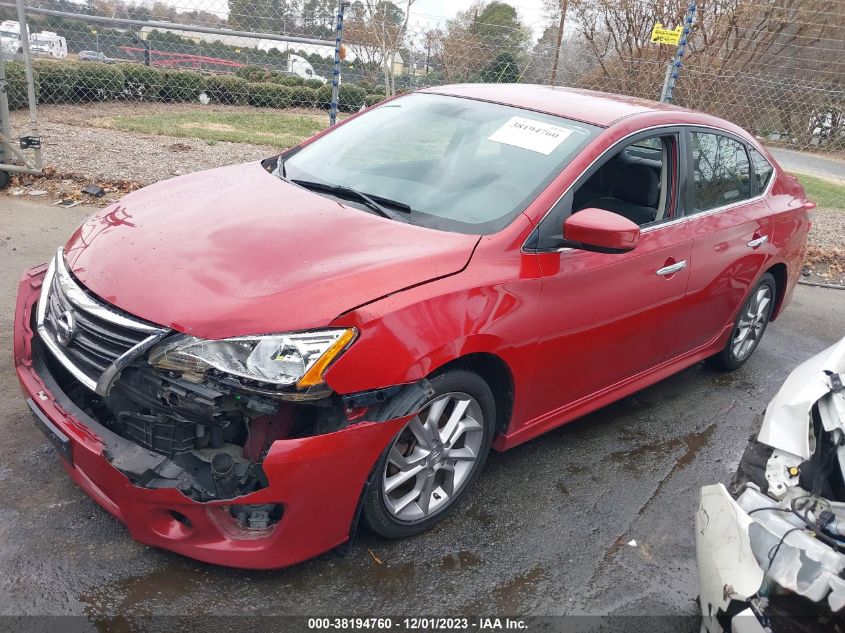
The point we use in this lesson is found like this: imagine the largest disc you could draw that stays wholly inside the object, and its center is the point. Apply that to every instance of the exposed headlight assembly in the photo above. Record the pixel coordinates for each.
(298, 358)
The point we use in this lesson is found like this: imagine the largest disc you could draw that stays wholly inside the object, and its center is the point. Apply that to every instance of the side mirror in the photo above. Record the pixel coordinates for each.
(600, 231)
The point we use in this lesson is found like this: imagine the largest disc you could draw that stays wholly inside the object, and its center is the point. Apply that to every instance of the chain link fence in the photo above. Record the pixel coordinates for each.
(260, 72)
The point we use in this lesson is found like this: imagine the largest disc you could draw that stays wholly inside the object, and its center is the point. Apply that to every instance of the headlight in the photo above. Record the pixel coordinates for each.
(280, 359)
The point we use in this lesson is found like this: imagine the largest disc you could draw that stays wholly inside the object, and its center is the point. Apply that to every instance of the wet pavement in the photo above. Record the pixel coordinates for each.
(547, 530)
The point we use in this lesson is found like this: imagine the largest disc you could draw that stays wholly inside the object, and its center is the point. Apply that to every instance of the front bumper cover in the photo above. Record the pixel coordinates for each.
(749, 548)
(318, 480)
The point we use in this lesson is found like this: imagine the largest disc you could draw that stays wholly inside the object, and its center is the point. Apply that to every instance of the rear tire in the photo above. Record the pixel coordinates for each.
(433, 461)
(4, 179)
(750, 324)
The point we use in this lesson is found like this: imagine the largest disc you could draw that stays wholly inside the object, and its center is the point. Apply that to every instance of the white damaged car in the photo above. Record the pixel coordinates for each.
(771, 546)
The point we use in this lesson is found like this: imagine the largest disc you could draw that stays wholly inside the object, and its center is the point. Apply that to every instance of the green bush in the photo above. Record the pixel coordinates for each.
(288, 80)
(367, 85)
(181, 85)
(254, 74)
(304, 97)
(98, 82)
(269, 95)
(316, 84)
(351, 97)
(324, 96)
(16, 86)
(228, 89)
(373, 99)
(57, 80)
(141, 82)
(370, 87)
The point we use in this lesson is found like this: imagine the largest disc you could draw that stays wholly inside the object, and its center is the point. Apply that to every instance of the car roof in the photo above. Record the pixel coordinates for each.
(587, 106)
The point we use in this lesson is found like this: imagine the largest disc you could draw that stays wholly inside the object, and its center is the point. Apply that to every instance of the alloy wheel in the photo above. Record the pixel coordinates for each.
(433, 458)
(752, 322)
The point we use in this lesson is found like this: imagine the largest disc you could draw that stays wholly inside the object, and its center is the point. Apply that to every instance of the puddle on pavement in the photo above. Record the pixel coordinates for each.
(139, 595)
(694, 443)
(458, 561)
(642, 457)
(510, 595)
(387, 574)
(479, 514)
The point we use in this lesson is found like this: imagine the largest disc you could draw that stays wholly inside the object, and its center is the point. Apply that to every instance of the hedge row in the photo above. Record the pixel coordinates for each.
(78, 82)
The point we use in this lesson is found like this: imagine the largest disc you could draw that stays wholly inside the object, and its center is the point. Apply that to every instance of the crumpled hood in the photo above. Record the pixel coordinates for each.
(786, 422)
(236, 251)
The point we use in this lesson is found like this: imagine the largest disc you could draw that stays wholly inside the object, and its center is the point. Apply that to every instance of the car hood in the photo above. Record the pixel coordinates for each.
(236, 251)
(787, 418)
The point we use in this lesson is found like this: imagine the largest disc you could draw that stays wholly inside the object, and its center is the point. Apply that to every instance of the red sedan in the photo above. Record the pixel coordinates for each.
(241, 363)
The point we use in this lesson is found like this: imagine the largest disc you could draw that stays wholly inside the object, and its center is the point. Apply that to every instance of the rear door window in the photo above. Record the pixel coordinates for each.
(721, 171)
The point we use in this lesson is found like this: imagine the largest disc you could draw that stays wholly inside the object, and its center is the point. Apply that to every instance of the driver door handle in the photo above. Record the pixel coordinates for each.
(672, 268)
(759, 241)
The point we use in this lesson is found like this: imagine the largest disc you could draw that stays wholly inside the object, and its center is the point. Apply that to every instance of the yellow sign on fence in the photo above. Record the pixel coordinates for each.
(659, 35)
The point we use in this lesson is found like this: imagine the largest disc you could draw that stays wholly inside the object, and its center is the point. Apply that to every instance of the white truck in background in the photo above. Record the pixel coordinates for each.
(300, 66)
(10, 36)
(48, 44)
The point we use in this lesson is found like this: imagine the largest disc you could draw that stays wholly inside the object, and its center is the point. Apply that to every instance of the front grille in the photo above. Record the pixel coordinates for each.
(91, 339)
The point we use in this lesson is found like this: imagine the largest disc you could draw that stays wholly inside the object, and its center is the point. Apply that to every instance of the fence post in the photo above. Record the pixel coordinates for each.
(674, 68)
(30, 83)
(5, 124)
(564, 5)
(338, 40)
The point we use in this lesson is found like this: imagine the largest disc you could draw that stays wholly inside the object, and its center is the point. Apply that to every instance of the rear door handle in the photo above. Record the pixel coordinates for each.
(759, 241)
(672, 268)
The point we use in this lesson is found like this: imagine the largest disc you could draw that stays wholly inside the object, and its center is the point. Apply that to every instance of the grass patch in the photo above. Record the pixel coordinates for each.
(277, 129)
(825, 193)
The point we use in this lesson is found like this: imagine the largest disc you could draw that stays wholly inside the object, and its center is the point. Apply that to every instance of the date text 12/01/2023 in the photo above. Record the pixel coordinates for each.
(418, 624)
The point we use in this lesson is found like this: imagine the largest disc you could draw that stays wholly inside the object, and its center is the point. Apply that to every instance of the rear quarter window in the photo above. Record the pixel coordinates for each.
(763, 169)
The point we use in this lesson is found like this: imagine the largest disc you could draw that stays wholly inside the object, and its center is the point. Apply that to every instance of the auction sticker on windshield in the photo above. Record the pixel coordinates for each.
(529, 134)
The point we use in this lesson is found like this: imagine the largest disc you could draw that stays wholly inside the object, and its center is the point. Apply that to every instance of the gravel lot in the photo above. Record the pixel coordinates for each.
(828, 230)
(74, 143)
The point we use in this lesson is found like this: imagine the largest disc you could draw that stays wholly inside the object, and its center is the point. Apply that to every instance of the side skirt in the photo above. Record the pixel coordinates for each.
(608, 395)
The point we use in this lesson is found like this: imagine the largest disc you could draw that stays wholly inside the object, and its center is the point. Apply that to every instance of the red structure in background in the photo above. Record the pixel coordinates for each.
(164, 59)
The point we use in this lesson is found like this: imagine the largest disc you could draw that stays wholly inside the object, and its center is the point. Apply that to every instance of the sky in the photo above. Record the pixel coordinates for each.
(436, 12)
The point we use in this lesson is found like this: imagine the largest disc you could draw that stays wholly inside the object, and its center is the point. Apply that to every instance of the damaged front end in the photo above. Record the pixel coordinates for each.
(771, 548)
(191, 457)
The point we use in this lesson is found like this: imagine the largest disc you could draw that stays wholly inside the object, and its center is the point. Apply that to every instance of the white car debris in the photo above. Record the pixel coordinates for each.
(771, 547)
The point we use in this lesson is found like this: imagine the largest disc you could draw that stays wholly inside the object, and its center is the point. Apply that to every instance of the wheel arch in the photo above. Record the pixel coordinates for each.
(779, 272)
(498, 376)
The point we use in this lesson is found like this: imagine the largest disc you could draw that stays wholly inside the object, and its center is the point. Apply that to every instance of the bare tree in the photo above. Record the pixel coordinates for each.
(457, 51)
(375, 32)
(728, 34)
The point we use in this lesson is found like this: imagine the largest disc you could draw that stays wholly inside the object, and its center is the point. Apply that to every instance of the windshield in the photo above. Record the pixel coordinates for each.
(460, 165)
(9, 34)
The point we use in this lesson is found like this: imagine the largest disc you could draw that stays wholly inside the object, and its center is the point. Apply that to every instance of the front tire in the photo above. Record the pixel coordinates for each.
(750, 325)
(434, 460)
